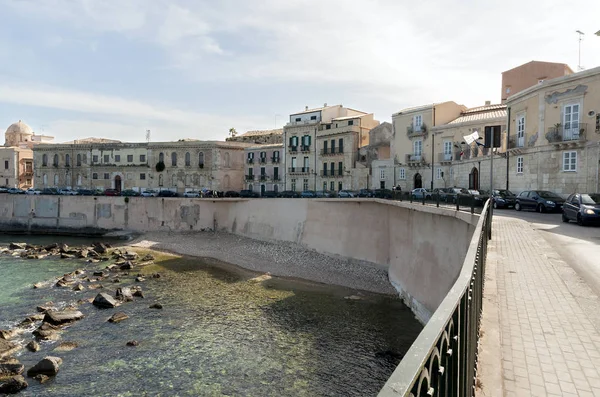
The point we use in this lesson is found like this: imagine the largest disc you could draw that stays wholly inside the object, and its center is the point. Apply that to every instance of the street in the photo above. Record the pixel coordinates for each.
(578, 246)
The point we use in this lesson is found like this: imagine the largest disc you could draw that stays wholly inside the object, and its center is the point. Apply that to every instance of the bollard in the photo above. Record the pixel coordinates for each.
(458, 201)
(437, 200)
(411, 197)
(423, 199)
(472, 204)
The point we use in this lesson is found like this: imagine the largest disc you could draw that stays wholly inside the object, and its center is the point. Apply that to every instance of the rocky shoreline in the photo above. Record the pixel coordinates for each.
(49, 323)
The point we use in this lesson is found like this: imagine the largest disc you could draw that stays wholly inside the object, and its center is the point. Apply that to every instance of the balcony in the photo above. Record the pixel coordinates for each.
(263, 160)
(275, 160)
(249, 177)
(444, 158)
(293, 149)
(305, 148)
(299, 170)
(276, 178)
(415, 159)
(332, 151)
(332, 173)
(516, 143)
(418, 131)
(28, 173)
(250, 161)
(263, 177)
(567, 133)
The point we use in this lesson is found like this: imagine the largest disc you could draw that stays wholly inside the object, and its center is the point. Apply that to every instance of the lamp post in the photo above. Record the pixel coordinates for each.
(580, 33)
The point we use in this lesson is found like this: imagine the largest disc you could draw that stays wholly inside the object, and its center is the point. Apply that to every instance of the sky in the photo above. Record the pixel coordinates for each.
(196, 68)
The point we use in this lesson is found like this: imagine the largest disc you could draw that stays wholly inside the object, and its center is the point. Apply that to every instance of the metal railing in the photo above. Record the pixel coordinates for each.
(443, 359)
(574, 131)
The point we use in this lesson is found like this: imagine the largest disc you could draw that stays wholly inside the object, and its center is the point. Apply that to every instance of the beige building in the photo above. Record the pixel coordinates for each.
(264, 168)
(16, 156)
(178, 166)
(527, 75)
(259, 137)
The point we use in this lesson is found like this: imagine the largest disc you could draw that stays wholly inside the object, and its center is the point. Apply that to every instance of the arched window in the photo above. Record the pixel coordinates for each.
(174, 159)
(79, 160)
(55, 180)
(160, 179)
(188, 159)
(44, 160)
(226, 159)
(67, 160)
(161, 157)
(55, 163)
(78, 179)
(45, 179)
(174, 180)
(201, 160)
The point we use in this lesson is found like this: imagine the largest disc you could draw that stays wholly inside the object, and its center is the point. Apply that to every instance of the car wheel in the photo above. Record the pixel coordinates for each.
(541, 208)
(518, 206)
(495, 205)
(580, 220)
(565, 219)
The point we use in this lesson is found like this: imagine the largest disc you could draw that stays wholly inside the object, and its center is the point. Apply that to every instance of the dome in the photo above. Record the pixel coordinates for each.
(19, 128)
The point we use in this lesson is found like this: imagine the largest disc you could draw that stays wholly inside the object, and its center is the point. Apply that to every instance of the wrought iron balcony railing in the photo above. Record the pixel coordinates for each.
(566, 132)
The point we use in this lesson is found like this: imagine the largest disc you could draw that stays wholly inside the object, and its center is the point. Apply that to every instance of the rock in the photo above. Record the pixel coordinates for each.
(138, 293)
(99, 248)
(83, 253)
(353, 297)
(66, 346)
(38, 285)
(92, 254)
(262, 278)
(79, 272)
(63, 248)
(16, 246)
(118, 317)
(116, 280)
(113, 267)
(148, 257)
(47, 332)
(140, 279)
(33, 346)
(78, 287)
(66, 256)
(6, 334)
(7, 348)
(47, 366)
(63, 317)
(94, 286)
(93, 261)
(103, 301)
(156, 306)
(42, 378)
(11, 369)
(34, 256)
(156, 275)
(13, 385)
(51, 247)
(126, 266)
(31, 320)
(124, 294)
(133, 343)
(98, 274)
(44, 309)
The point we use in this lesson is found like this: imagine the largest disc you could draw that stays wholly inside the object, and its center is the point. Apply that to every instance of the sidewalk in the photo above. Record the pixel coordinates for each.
(538, 328)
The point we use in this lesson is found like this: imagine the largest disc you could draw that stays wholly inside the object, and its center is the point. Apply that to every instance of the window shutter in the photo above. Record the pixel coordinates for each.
(291, 141)
(309, 140)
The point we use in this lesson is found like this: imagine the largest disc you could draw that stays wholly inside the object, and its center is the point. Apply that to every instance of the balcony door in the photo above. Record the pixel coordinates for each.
(417, 149)
(521, 131)
(447, 150)
(571, 122)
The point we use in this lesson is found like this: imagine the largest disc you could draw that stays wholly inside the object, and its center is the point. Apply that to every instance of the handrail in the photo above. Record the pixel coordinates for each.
(443, 359)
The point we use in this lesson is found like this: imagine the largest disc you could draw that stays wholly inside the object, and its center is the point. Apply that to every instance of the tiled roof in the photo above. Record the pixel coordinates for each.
(277, 131)
(481, 113)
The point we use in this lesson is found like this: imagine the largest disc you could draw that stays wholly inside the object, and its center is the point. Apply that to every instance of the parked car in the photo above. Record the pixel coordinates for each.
(67, 192)
(249, 194)
(130, 193)
(365, 193)
(49, 191)
(453, 192)
(112, 192)
(346, 194)
(3, 189)
(439, 192)
(270, 194)
(86, 192)
(503, 198)
(383, 193)
(583, 208)
(149, 193)
(539, 200)
(231, 193)
(16, 190)
(192, 194)
(420, 192)
(167, 193)
(479, 197)
(324, 194)
(290, 194)
(33, 191)
(308, 194)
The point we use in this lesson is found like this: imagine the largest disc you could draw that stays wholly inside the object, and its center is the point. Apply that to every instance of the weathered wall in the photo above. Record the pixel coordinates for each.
(422, 247)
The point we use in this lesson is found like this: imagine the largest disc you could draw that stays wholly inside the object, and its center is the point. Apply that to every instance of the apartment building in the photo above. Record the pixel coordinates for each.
(529, 74)
(264, 168)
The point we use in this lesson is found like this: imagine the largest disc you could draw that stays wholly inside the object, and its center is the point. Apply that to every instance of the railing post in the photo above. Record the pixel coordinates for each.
(437, 200)
(458, 201)
(423, 199)
(411, 197)
(472, 204)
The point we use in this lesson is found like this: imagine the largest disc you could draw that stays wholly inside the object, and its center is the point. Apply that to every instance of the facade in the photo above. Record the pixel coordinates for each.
(177, 166)
(527, 75)
(264, 168)
(16, 156)
(261, 137)
(376, 156)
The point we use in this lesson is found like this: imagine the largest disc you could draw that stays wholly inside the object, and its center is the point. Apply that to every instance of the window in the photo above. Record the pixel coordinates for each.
(570, 161)
(298, 119)
(55, 160)
(332, 168)
(341, 145)
(276, 173)
(78, 179)
(161, 157)
(417, 122)
(305, 185)
(451, 172)
(106, 158)
(571, 122)
(106, 175)
(44, 160)
(447, 150)
(417, 149)
(67, 160)
(293, 164)
(333, 146)
(324, 186)
(340, 187)
(226, 158)
(142, 158)
(332, 186)
(293, 185)
(5, 164)
(324, 147)
(350, 122)
(598, 122)
(520, 165)
(188, 179)
(438, 173)
(188, 159)
(521, 131)
(95, 175)
(305, 164)
(324, 169)
(142, 177)
(95, 158)
(174, 159)
(328, 127)
(341, 168)
(402, 173)
(130, 158)
(56, 180)
(129, 176)
(201, 159)
(117, 158)
(313, 117)
(79, 160)
(28, 181)
(160, 179)
(381, 174)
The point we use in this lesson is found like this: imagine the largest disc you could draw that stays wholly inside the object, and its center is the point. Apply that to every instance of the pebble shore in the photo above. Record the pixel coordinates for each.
(282, 259)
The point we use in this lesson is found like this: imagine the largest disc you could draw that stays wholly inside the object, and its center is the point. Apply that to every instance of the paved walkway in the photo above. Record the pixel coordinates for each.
(541, 321)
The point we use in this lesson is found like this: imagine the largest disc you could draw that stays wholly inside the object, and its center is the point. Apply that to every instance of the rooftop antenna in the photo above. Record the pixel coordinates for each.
(580, 33)
(147, 136)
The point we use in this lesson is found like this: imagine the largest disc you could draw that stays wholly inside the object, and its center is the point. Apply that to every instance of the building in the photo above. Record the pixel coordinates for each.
(261, 137)
(16, 156)
(527, 75)
(104, 164)
(264, 168)
(321, 148)
(411, 146)
(376, 157)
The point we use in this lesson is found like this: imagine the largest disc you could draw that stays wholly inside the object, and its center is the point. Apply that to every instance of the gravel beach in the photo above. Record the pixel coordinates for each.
(280, 259)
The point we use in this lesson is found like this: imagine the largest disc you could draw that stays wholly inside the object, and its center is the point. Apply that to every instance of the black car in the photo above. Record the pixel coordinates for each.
(83, 192)
(249, 194)
(504, 199)
(539, 200)
(270, 194)
(130, 193)
(231, 193)
(383, 193)
(49, 191)
(290, 194)
(584, 208)
(365, 193)
(167, 193)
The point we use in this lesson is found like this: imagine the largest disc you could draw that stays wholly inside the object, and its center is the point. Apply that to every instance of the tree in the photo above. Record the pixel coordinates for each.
(232, 132)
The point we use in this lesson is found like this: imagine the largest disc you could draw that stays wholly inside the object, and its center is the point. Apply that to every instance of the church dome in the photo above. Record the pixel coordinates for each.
(17, 133)
(19, 128)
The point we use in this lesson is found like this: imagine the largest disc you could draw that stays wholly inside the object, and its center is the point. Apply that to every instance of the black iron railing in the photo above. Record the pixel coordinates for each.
(443, 359)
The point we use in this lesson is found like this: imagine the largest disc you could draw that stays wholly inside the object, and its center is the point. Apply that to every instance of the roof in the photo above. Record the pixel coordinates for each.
(420, 108)
(19, 128)
(544, 62)
(356, 116)
(480, 113)
(277, 131)
(268, 146)
(316, 109)
(90, 140)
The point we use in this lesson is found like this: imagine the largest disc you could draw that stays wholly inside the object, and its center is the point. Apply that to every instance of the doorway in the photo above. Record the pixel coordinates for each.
(418, 181)
(382, 184)
(262, 190)
(474, 179)
(118, 183)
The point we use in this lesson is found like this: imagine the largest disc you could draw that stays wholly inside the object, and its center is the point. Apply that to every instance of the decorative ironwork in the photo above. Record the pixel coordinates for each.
(566, 132)
(443, 359)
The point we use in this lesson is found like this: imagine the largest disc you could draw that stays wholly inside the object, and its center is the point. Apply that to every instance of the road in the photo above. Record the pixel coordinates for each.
(579, 246)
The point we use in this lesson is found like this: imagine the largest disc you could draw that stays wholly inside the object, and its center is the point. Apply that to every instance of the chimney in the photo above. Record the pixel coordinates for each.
(306, 108)
(488, 103)
(325, 105)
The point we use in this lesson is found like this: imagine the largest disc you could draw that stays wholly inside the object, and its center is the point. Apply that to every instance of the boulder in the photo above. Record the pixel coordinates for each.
(79, 287)
(94, 286)
(11, 369)
(138, 293)
(63, 248)
(124, 294)
(79, 272)
(99, 274)
(13, 385)
(66, 346)
(83, 253)
(63, 317)
(112, 268)
(118, 317)
(42, 378)
(7, 348)
(140, 279)
(48, 366)
(104, 301)
(156, 275)
(38, 285)
(47, 331)
(7, 334)
(116, 280)
(16, 246)
(51, 247)
(44, 309)
(33, 346)
(66, 256)
(156, 306)
(99, 248)
(126, 266)
(133, 343)
(148, 257)
(31, 320)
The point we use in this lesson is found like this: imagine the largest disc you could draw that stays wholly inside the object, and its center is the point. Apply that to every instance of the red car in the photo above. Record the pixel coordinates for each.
(112, 192)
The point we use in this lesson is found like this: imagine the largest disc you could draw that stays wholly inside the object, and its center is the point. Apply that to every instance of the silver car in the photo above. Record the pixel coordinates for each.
(346, 194)
(192, 193)
(149, 193)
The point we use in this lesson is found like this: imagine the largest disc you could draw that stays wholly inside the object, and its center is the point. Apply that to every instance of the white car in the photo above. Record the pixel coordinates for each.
(33, 191)
(149, 193)
(68, 192)
(192, 193)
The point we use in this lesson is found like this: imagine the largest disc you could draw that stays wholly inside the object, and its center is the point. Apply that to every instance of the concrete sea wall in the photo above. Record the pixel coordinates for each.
(422, 247)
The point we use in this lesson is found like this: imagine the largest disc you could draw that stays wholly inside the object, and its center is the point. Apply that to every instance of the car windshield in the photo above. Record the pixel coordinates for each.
(590, 199)
(504, 193)
(548, 195)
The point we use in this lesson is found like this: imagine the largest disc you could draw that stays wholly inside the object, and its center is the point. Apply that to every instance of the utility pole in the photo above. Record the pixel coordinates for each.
(580, 33)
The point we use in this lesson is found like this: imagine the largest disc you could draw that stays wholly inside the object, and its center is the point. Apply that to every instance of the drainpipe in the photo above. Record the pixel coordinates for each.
(597, 167)
(507, 146)
(315, 165)
(432, 146)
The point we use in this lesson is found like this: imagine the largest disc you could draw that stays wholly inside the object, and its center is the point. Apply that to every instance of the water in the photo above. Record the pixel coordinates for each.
(219, 334)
